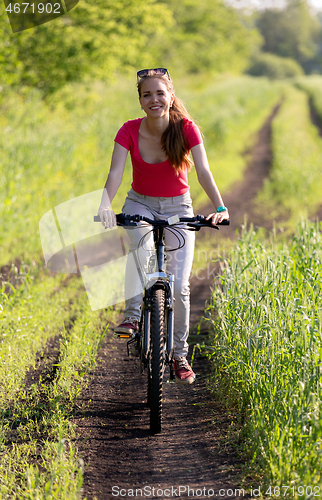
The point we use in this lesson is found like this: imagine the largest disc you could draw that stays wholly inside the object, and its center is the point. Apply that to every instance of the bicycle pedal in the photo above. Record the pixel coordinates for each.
(123, 335)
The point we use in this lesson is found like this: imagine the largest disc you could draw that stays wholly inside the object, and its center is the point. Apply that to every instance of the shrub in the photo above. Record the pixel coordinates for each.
(274, 67)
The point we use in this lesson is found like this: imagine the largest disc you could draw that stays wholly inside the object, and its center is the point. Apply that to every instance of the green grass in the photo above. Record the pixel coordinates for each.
(50, 153)
(267, 324)
(38, 454)
(294, 186)
(30, 316)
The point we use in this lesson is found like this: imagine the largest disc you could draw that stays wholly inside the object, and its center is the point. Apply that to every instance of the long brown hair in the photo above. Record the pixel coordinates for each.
(172, 140)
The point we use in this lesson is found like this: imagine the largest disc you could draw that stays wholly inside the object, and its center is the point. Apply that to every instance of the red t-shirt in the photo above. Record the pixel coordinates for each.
(156, 179)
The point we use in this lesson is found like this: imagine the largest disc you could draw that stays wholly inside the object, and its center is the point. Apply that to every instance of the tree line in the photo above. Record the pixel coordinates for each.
(99, 39)
(293, 33)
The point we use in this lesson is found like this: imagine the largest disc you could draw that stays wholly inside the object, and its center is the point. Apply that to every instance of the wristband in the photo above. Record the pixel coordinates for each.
(221, 209)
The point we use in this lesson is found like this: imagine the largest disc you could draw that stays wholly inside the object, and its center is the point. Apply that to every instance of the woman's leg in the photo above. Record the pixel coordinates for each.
(138, 257)
(179, 264)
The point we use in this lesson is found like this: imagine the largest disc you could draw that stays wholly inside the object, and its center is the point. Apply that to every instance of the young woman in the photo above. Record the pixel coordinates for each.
(160, 146)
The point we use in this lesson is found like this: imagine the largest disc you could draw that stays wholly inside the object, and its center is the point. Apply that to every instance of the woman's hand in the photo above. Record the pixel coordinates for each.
(107, 216)
(218, 217)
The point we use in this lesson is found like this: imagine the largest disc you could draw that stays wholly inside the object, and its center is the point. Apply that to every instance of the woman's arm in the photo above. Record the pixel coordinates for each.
(207, 181)
(112, 185)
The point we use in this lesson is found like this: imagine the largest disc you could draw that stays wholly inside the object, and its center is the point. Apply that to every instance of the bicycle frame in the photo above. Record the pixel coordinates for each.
(158, 279)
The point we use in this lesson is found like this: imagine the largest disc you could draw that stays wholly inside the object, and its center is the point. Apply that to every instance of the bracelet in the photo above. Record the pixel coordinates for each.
(221, 209)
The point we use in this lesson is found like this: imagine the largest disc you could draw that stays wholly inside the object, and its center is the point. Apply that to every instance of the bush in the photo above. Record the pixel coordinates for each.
(274, 67)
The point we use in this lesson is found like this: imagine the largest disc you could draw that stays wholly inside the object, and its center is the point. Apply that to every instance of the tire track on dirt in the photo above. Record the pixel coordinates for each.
(32, 405)
(241, 198)
(315, 118)
(195, 447)
(114, 438)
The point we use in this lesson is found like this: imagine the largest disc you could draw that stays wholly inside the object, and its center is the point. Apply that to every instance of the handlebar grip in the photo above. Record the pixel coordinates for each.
(97, 218)
(224, 222)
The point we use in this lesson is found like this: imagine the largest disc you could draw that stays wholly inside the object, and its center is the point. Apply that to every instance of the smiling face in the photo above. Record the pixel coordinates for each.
(155, 98)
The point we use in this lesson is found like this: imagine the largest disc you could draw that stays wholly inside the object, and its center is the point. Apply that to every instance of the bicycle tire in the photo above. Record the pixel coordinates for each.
(156, 361)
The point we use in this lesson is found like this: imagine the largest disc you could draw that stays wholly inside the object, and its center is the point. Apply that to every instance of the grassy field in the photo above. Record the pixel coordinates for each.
(294, 187)
(55, 151)
(267, 325)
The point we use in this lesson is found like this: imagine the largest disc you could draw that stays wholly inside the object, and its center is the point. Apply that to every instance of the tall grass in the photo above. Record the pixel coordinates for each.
(38, 456)
(267, 323)
(294, 186)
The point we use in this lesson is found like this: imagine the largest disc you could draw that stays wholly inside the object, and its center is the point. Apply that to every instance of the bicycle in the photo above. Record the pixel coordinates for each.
(153, 341)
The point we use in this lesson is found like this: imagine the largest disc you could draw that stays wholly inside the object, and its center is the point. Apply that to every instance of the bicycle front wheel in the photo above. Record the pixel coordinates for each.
(156, 361)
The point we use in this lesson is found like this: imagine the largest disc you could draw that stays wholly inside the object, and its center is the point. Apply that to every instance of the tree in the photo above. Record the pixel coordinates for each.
(208, 36)
(97, 38)
(291, 32)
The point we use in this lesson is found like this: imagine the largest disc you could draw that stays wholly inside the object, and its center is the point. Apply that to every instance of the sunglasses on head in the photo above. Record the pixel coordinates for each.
(159, 71)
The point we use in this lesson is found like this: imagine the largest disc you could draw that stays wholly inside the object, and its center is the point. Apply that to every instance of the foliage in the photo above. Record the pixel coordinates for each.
(208, 37)
(290, 32)
(96, 39)
(267, 326)
(30, 314)
(235, 109)
(274, 67)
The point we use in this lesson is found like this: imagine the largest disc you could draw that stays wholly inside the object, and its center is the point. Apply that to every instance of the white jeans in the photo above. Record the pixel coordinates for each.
(179, 262)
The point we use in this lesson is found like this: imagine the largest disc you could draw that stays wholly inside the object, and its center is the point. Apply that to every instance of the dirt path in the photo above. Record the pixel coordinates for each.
(241, 198)
(195, 448)
(192, 450)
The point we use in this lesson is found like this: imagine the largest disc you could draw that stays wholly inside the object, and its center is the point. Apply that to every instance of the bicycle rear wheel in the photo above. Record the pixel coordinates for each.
(156, 361)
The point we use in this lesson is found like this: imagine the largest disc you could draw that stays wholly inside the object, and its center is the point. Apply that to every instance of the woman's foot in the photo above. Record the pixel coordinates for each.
(183, 371)
(129, 326)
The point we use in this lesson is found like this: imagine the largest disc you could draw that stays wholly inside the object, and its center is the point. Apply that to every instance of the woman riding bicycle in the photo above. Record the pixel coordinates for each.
(160, 145)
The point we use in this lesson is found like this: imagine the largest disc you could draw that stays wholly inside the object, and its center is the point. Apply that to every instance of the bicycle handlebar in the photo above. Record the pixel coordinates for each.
(194, 222)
